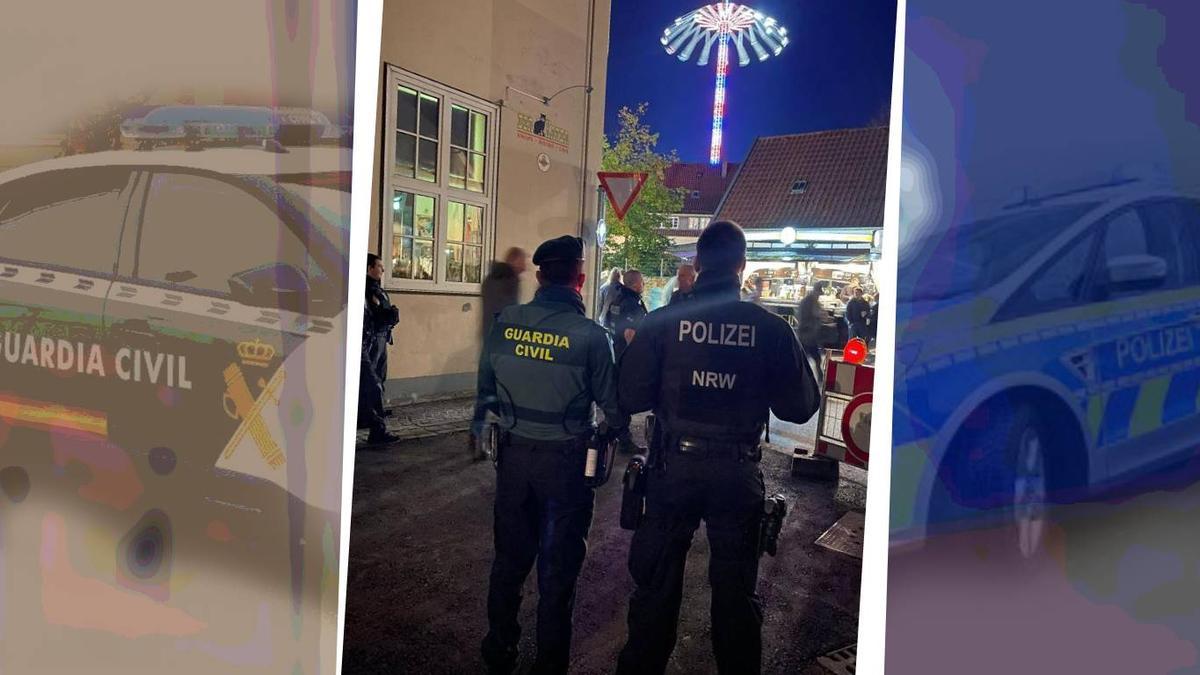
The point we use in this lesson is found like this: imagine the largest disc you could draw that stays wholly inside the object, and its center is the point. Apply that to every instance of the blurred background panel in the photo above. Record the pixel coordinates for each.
(1047, 366)
(174, 225)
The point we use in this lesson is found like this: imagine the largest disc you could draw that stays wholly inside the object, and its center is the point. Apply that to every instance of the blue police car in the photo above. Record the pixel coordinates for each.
(1042, 354)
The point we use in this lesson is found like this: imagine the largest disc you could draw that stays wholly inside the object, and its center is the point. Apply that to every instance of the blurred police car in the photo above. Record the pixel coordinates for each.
(1042, 354)
(170, 415)
(208, 125)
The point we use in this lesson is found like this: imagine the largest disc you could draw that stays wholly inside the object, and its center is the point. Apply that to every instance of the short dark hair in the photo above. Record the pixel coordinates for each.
(721, 247)
(560, 272)
(371, 260)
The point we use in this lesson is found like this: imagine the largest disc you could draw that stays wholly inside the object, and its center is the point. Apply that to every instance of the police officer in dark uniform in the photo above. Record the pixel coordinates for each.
(623, 316)
(382, 316)
(544, 365)
(626, 310)
(711, 369)
(685, 276)
(370, 391)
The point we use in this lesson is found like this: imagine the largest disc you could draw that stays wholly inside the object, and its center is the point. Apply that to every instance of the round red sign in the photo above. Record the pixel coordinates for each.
(856, 427)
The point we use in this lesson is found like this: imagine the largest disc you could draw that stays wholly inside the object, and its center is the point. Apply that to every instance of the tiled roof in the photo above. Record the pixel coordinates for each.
(845, 172)
(702, 178)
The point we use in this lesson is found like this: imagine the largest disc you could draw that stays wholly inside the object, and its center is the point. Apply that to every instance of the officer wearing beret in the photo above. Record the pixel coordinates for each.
(711, 369)
(544, 364)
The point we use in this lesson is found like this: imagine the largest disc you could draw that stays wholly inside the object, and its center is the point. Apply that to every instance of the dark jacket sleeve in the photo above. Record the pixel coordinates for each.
(639, 377)
(603, 384)
(790, 381)
(366, 334)
(485, 396)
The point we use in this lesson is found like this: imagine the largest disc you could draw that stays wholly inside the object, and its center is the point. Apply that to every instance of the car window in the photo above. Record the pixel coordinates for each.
(1128, 235)
(1058, 285)
(1181, 218)
(199, 232)
(975, 256)
(69, 218)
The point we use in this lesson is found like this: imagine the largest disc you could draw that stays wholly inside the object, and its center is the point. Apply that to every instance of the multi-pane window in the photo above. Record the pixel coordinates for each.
(413, 234)
(440, 200)
(417, 121)
(468, 148)
(464, 243)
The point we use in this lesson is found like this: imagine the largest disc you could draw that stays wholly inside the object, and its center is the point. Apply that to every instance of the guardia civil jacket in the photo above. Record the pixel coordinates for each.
(542, 367)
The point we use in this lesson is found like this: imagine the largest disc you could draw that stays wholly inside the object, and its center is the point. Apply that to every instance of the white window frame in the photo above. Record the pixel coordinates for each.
(440, 189)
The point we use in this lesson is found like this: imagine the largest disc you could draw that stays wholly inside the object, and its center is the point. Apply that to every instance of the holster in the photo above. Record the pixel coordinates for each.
(495, 440)
(774, 510)
(633, 494)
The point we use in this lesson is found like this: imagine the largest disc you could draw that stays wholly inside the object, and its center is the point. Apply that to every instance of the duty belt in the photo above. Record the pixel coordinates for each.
(566, 446)
(716, 449)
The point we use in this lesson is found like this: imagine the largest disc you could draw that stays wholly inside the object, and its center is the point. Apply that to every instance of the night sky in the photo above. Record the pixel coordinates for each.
(836, 72)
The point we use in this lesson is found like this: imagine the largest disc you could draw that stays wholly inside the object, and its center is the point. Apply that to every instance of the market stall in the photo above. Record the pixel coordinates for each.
(782, 264)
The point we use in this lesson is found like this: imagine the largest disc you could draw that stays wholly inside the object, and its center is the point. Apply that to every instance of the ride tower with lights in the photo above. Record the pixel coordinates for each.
(720, 24)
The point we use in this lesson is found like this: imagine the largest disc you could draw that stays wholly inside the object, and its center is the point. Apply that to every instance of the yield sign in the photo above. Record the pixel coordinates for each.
(622, 189)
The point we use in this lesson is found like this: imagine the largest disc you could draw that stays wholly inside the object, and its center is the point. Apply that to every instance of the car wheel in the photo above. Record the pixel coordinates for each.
(997, 474)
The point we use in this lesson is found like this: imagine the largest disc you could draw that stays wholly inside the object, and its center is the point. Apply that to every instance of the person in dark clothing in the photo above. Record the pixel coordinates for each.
(502, 287)
(685, 277)
(625, 313)
(626, 310)
(712, 370)
(858, 315)
(813, 320)
(381, 317)
(873, 319)
(370, 391)
(544, 365)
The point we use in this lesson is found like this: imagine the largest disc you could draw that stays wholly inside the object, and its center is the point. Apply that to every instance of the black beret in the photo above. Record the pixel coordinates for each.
(565, 247)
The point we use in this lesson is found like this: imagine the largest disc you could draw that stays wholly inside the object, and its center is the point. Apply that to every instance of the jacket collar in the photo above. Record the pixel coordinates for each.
(717, 286)
(560, 295)
(372, 283)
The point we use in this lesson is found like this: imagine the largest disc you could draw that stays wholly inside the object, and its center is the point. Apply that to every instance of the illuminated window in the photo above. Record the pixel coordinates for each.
(439, 208)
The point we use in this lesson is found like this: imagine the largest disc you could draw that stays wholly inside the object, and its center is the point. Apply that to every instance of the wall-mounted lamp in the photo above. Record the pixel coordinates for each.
(545, 100)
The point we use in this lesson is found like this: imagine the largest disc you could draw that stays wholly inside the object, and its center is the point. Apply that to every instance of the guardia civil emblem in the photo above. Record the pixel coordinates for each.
(242, 404)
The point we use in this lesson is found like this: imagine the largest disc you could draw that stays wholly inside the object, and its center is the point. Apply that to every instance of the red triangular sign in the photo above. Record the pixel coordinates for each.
(622, 189)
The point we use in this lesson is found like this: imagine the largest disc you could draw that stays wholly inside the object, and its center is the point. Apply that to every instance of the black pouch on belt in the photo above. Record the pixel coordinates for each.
(633, 494)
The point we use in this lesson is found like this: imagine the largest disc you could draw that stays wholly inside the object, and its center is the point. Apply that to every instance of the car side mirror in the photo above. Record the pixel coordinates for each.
(276, 286)
(180, 277)
(1131, 273)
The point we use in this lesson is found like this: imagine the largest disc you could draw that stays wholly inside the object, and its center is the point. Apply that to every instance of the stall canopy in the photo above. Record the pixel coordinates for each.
(837, 245)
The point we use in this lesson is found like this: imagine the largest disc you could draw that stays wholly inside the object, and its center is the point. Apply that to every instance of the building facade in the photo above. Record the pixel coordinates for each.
(703, 187)
(489, 136)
